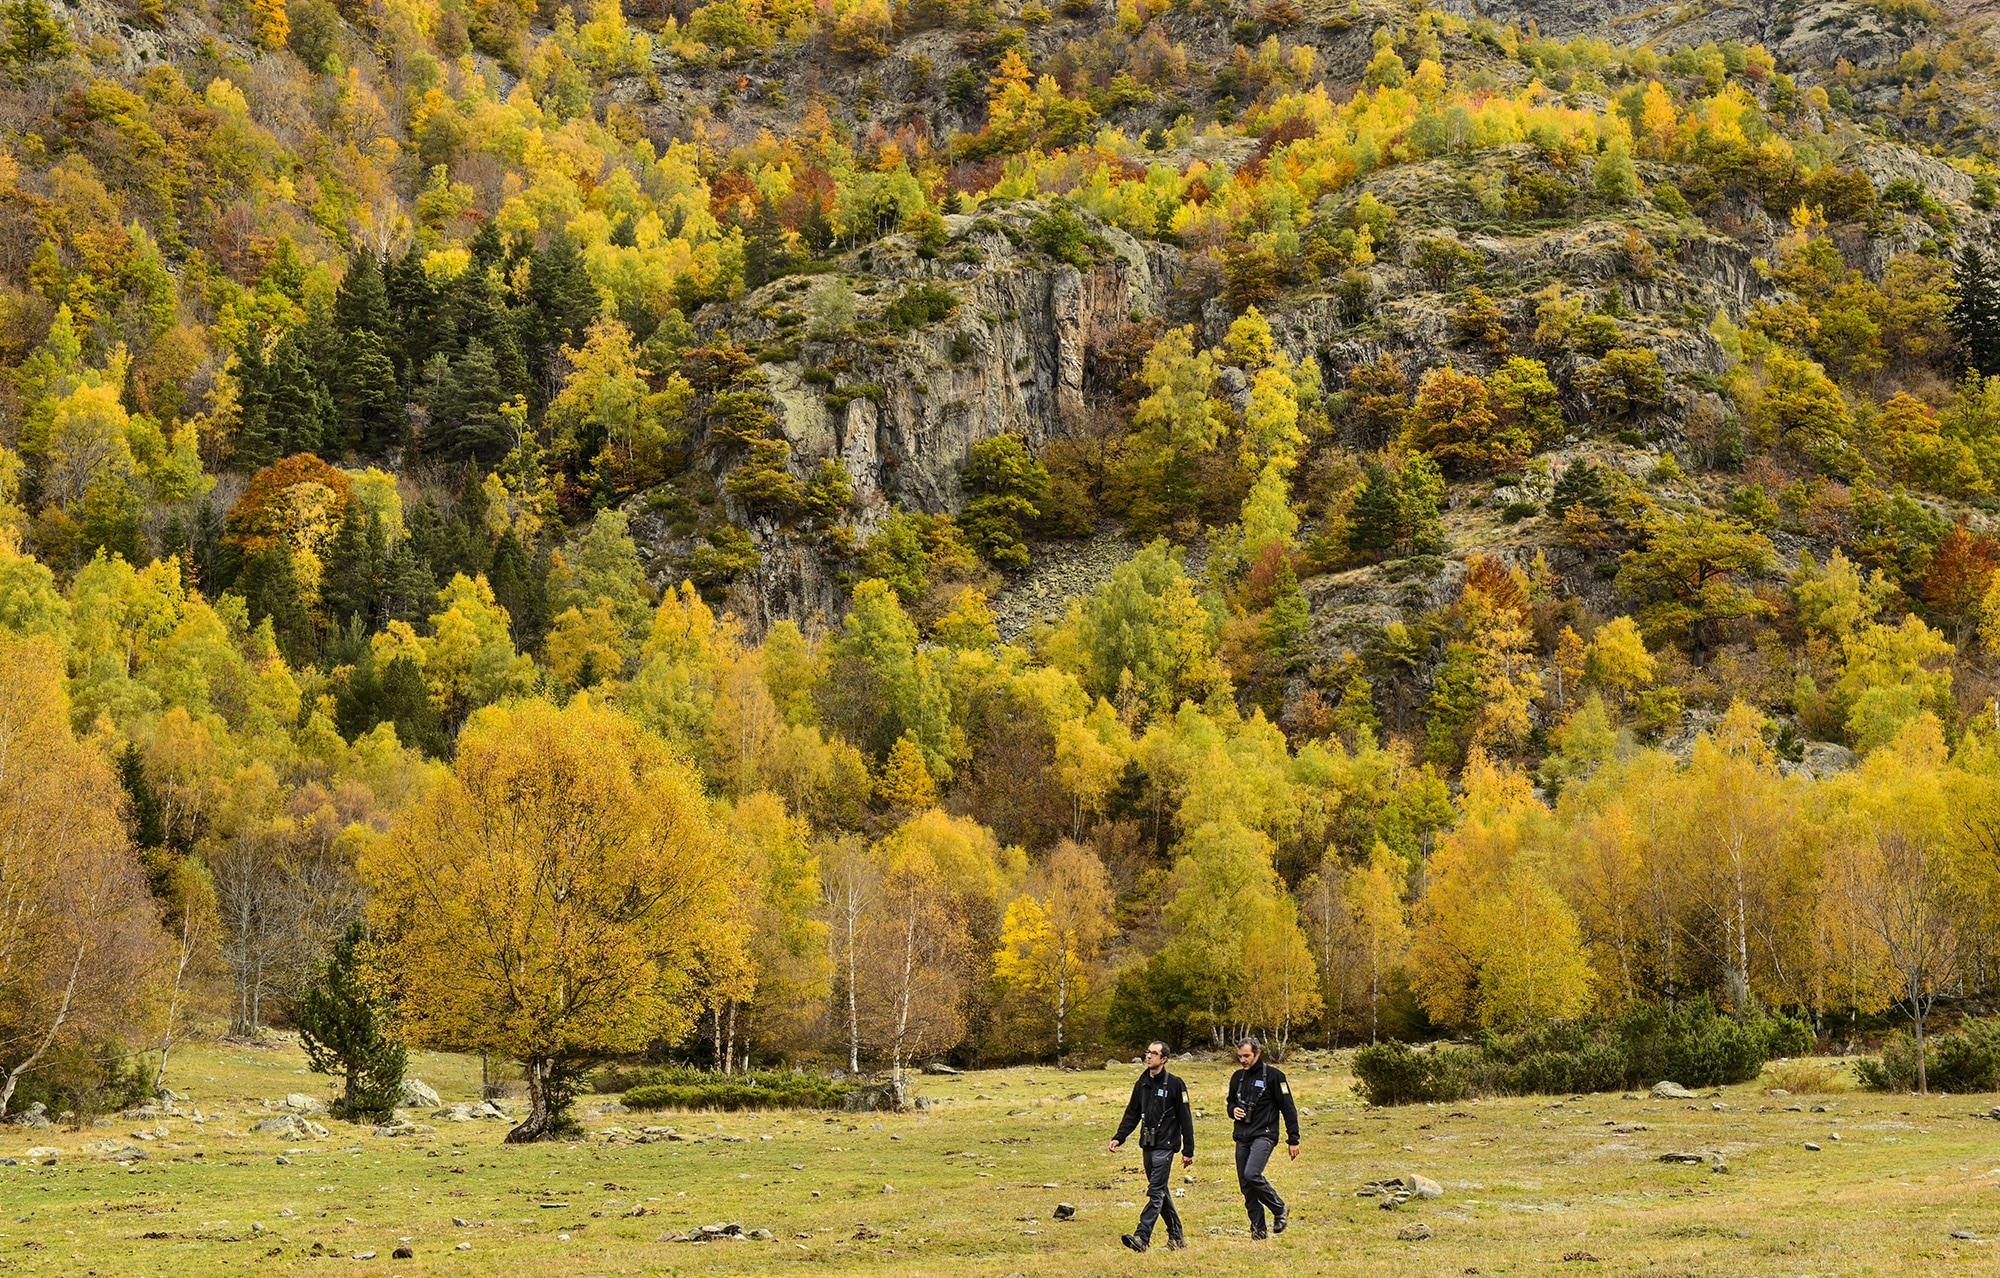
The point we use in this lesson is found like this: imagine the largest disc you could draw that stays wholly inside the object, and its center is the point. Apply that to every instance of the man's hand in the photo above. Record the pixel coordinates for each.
(1239, 1112)
(1187, 1161)
(1293, 1150)
(1113, 1147)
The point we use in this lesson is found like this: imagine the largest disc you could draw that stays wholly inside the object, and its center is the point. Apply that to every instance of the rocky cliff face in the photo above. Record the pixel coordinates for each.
(1011, 360)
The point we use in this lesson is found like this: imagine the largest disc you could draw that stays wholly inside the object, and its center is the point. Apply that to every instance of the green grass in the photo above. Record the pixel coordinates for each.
(1527, 1181)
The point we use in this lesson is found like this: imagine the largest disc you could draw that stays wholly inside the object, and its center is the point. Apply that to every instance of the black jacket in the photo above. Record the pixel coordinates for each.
(1160, 1103)
(1264, 1094)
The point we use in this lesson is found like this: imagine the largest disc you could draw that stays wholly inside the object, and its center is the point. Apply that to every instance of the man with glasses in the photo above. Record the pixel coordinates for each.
(1258, 1094)
(1159, 1109)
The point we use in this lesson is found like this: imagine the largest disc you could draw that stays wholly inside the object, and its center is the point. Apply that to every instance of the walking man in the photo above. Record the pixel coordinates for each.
(1159, 1109)
(1258, 1094)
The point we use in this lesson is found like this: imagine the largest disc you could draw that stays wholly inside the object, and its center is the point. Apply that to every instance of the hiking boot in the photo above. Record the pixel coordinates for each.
(1175, 1242)
(1133, 1241)
(1257, 1232)
(1284, 1218)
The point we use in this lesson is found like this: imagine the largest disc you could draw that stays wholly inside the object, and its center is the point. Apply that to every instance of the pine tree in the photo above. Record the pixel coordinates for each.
(34, 34)
(1975, 309)
(341, 1027)
(520, 585)
(1580, 484)
(765, 253)
(269, 584)
(142, 806)
(362, 303)
(353, 582)
(1285, 625)
(254, 444)
(815, 228)
(369, 402)
(1374, 521)
(564, 302)
(415, 307)
(300, 410)
(409, 587)
(465, 412)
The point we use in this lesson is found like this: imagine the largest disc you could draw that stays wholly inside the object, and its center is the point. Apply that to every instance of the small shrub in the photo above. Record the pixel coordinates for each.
(702, 1089)
(1693, 1044)
(1398, 1074)
(840, 397)
(1968, 1061)
(918, 305)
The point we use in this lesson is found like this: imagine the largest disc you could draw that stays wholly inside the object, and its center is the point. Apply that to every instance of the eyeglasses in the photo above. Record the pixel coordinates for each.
(1156, 1053)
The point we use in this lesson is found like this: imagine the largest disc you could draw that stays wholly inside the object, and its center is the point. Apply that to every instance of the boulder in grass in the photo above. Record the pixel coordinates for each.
(417, 1094)
(114, 1151)
(1667, 1089)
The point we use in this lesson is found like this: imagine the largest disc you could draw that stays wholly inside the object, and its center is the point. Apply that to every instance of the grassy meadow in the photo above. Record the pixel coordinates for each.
(1531, 1185)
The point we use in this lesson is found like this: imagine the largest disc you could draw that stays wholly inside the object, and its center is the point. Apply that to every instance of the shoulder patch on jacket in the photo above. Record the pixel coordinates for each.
(1286, 1088)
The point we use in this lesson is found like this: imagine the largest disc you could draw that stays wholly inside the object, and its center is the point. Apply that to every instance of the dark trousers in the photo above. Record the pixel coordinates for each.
(1251, 1155)
(1159, 1198)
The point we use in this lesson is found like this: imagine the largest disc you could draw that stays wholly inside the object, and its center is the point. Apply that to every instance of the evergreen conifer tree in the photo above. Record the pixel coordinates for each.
(341, 1027)
(1375, 518)
(269, 583)
(353, 583)
(1285, 624)
(765, 255)
(300, 410)
(521, 587)
(1975, 309)
(1580, 484)
(409, 587)
(465, 412)
(254, 444)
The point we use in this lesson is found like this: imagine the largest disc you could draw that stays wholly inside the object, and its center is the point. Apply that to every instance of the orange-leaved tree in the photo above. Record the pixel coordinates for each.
(554, 899)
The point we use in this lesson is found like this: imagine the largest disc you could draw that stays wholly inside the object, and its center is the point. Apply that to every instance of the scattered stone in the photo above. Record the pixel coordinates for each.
(402, 1253)
(364, 1255)
(1065, 1211)
(35, 1115)
(114, 1151)
(865, 1234)
(284, 1161)
(1965, 1234)
(290, 1125)
(1717, 1167)
(1424, 1187)
(45, 1152)
(300, 1103)
(418, 1094)
(468, 1111)
(1580, 1255)
(1779, 1091)
(1812, 1146)
(1666, 1089)
(1691, 1160)
(939, 1067)
(880, 1098)
(1415, 1231)
(888, 1188)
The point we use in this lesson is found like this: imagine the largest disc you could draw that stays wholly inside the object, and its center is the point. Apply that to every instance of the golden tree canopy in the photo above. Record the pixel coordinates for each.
(555, 894)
